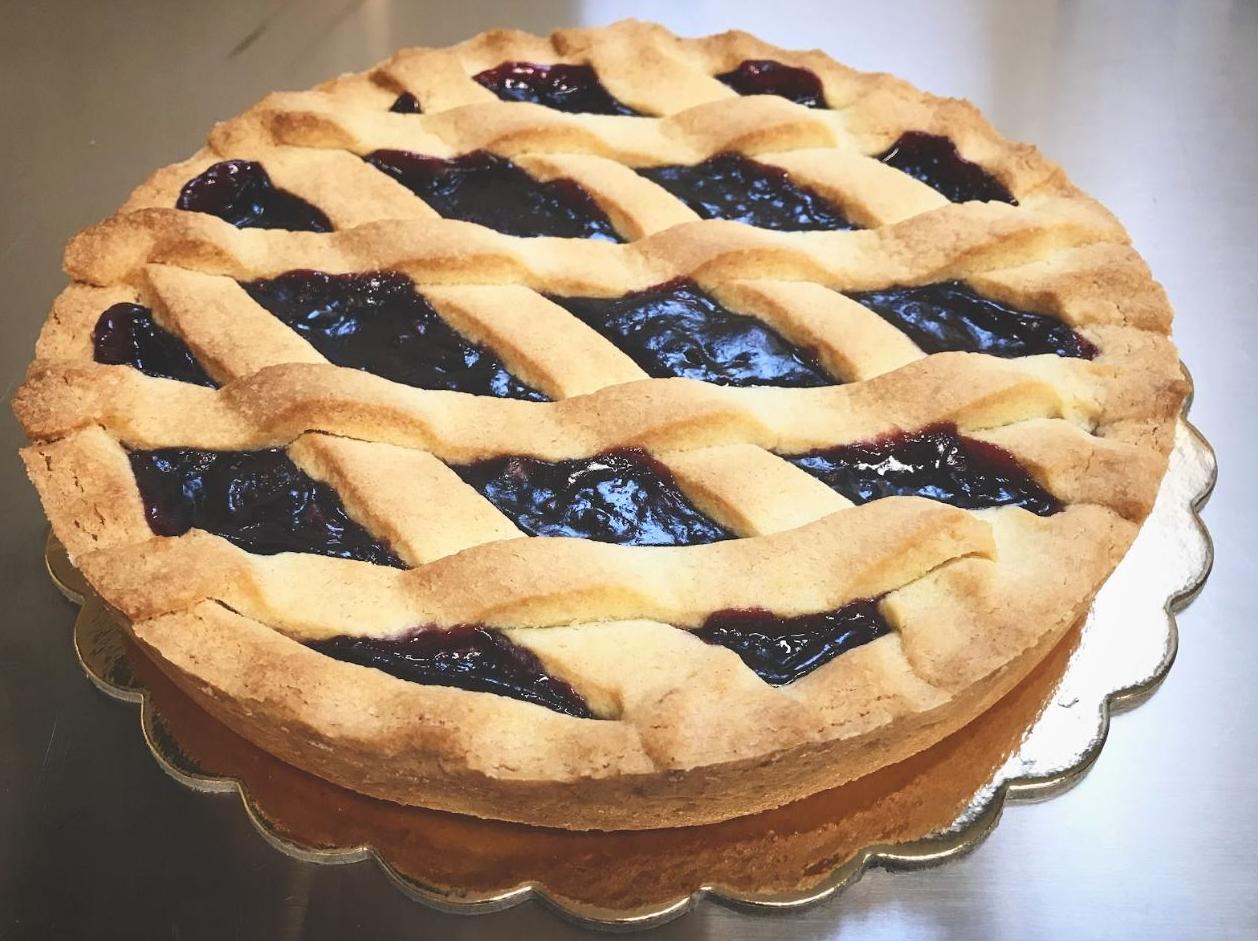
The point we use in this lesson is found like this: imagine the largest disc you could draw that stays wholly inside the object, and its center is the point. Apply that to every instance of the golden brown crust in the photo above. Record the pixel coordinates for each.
(686, 733)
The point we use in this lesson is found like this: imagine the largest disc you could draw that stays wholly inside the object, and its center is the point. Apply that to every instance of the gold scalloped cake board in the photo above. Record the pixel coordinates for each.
(1036, 742)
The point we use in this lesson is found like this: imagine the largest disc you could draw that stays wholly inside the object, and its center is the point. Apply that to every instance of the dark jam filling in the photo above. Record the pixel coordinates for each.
(469, 657)
(935, 161)
(767, 77)
(950, 315)
(259, 500)
(935, 462)
(572, 88)
(126, 335)
(675, 329)
(622, 496)
(731, 186)
(492, 191)
(379, 323)
(241, 192)
(406, 103)
(781, 650)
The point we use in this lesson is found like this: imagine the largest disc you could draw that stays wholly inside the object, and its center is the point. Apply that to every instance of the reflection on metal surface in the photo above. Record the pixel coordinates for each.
(1036, 742)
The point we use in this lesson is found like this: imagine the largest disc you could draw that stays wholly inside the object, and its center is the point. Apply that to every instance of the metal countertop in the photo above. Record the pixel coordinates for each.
(1151, 107)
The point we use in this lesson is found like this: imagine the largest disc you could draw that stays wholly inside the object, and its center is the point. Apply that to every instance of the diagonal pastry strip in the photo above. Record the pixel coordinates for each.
(862, 552)
(948, 242)
(276, 404)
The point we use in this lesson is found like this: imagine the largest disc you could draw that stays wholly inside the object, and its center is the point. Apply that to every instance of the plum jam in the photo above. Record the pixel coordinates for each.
(622, 496)
(492, 191)
(950, 315)
(572, 88)
(731, 186)
(241, 192)
(258, 500)
(767, 77)
(781, 650)
(675, 329)
(469, 656)
(379, 323)
(936, 161)
(935, 462)
(127, 335)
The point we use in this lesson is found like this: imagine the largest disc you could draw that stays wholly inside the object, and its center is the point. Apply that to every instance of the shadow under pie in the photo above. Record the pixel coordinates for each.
(453, 860)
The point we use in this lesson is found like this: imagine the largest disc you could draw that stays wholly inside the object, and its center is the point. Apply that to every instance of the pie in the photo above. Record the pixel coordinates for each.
(603, 431)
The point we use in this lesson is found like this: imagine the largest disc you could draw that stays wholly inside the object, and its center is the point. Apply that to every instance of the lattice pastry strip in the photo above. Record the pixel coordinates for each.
(979, 237)
(273, 406)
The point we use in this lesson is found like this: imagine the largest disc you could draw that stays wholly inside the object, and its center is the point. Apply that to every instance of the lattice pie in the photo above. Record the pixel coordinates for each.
(608, 430)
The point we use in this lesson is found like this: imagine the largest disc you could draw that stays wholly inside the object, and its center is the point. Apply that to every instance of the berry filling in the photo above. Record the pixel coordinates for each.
(622, 496)
(781, 650)
(950, 315)
(767, 77)
(675, 329)
(731, 186)
(572, 88)
(936, 162)
(241, 192)
(469, 657)
(259, 500)
(379, 323)
(127, 335)
(492, 191)
(935, 462)
(406, 103)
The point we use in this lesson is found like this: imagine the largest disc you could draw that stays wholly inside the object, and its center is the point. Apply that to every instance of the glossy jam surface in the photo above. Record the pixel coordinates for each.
(622, 496)
(492, 191)
(572, 88)
(259, 500)
(781, 650)
(935, 161)
(937, 463)
(379, 323)
(241, 192)
(406, 103)
(767, 77)
(950, 315)
(126, 335)
(731, 186)
(468, 657)
(675, 329)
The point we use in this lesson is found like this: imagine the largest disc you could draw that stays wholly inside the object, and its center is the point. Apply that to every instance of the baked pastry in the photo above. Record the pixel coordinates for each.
(608, 430)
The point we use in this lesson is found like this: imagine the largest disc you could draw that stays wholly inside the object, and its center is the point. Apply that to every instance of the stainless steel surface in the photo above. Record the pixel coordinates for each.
(1149, 105)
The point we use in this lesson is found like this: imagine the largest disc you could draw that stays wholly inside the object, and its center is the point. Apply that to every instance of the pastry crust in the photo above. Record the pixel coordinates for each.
(685, 733)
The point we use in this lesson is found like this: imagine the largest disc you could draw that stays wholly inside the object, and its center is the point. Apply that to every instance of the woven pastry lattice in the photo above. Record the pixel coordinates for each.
(704, 298)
